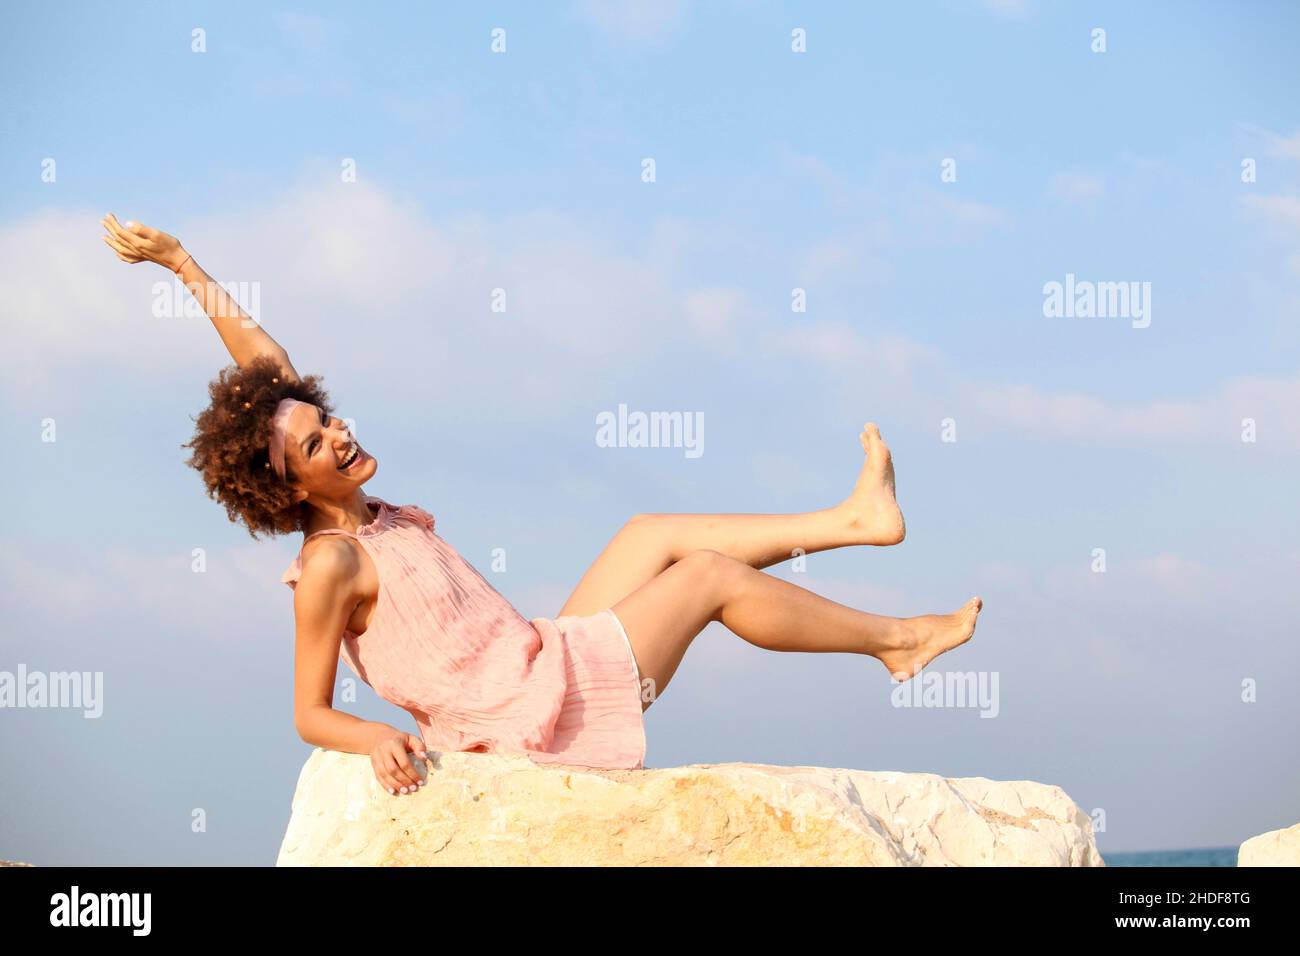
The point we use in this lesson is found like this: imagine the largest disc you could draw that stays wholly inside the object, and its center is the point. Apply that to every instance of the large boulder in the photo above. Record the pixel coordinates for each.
(1274, 848)
(489, 809)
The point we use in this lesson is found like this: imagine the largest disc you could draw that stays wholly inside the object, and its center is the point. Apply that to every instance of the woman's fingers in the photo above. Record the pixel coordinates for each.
(123, 253)
(402, 771)
(140, 231)
(126, 235)
(137, 228)
(133, 231)
(130, 238)
(121, 247)
(405, 771)
(384, 772)
(385, 769)
(114, 228)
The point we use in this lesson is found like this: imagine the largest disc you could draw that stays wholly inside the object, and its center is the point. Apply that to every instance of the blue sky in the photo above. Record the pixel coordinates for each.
(774, 171)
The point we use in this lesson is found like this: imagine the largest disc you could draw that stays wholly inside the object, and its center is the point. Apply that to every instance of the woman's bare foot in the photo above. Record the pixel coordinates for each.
(871, 511)
(922, 639)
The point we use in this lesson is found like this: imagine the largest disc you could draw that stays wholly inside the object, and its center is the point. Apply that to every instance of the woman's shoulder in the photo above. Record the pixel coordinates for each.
(332, 559)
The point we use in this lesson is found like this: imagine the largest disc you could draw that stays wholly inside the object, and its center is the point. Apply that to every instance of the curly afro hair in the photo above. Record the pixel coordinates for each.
(232, 439)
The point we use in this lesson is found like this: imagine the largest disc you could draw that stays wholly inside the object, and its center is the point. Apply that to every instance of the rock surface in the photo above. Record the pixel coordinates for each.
(489, 809)
(1275, 848)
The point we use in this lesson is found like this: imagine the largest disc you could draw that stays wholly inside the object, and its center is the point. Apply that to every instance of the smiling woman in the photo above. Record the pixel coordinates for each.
(375, 584)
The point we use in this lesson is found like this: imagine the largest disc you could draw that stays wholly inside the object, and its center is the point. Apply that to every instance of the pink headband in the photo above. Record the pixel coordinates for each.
(278, 423)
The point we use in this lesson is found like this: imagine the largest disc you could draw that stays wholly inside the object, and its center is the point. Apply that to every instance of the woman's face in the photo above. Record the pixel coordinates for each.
(323, 455)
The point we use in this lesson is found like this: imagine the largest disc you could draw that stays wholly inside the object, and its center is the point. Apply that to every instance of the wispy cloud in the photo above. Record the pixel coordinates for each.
(1077, 187)
(1010, 9)
(128, 587)
(971, 217)
(1276, 145)
(352, 263)
(838, 191)
(640, 20)
(1216, 417)
(838, 345)
(304, 30)
(1282, 215)
(716, 312)
(1283, 210)
(853, 258)
(901, 200)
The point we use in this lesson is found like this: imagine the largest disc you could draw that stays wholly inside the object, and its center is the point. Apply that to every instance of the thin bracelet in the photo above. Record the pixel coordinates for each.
(178, 269)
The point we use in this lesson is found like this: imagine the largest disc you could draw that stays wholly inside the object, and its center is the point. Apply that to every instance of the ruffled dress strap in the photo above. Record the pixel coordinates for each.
(417, 514)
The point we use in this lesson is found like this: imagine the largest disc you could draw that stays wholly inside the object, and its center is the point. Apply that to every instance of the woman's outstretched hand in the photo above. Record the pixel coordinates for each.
(135, 242)
(390, 758)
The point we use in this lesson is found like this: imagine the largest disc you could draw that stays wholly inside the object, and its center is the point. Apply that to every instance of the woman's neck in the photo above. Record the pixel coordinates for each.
(346, 514)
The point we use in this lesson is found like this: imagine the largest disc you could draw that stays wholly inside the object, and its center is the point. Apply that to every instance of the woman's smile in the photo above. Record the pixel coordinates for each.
(353, 457)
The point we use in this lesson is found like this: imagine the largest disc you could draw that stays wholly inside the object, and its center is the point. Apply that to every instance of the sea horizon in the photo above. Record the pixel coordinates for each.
(1199, 856)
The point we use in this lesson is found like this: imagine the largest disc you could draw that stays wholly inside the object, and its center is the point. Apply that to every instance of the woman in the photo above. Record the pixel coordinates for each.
(374, 583)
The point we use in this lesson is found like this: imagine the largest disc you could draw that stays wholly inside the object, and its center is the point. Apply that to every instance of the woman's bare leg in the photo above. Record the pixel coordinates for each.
(648, 544)
(664, 615)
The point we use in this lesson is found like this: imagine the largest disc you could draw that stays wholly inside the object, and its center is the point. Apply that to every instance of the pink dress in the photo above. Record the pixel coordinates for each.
(444, 645)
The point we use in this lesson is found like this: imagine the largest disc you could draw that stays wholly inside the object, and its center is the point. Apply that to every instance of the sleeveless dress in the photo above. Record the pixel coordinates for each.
(445, 646)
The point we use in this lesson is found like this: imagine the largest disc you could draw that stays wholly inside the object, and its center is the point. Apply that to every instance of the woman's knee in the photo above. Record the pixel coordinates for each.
(711, 564)
(639, 527)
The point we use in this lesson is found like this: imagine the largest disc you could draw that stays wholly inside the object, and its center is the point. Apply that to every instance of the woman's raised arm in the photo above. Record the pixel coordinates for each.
(244, 338)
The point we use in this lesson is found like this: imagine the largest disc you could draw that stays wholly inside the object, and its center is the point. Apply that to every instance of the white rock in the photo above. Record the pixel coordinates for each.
(488, 809)
(1275, 848)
